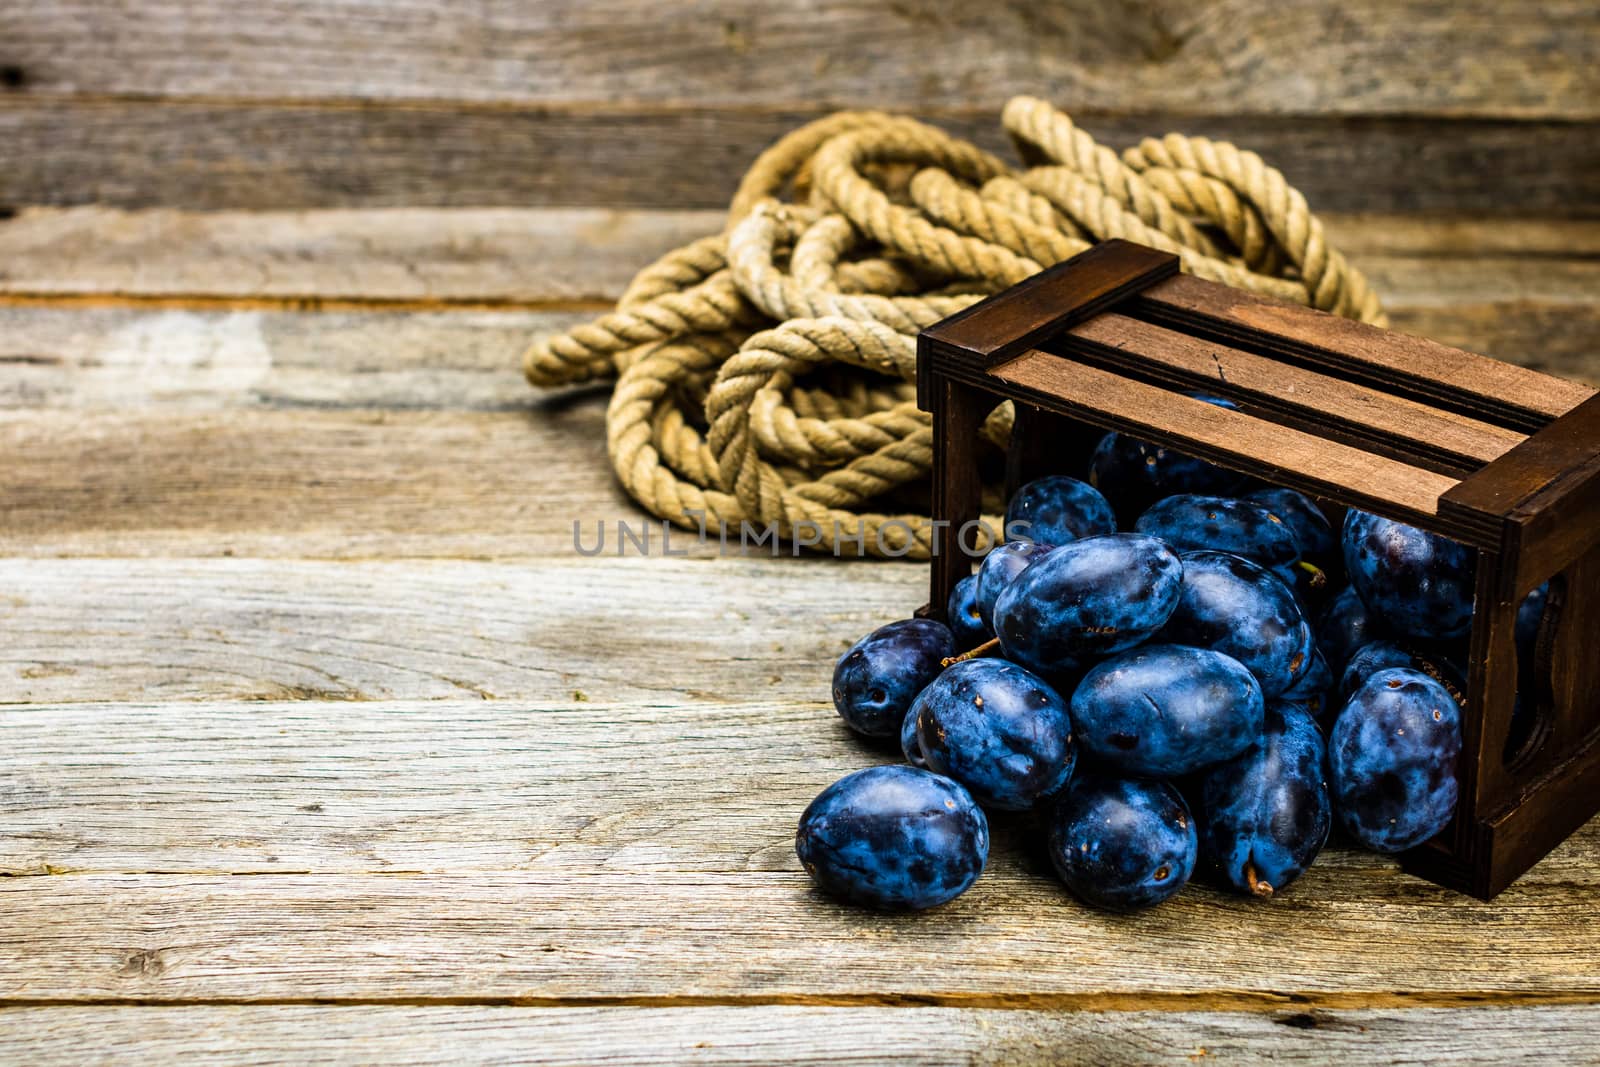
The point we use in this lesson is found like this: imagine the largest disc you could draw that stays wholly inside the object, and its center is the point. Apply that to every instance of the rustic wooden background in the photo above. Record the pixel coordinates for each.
(1477, 107)
(316, 739)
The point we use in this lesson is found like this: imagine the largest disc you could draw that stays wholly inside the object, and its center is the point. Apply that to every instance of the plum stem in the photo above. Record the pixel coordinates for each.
(1319, 577)
(1258, 888)
(988, 648)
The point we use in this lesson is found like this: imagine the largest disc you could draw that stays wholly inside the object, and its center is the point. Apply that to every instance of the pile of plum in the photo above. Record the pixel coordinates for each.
(1200, 690)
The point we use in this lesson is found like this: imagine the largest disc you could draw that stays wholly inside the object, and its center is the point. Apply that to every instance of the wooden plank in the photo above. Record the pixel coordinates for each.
(1520, 290)
(320, 258)
(1464, 238)
(128, 357)
(461, 786)
(1513, 58)
(574, 850)
(1411, 365)
(538, 256)
(133, 359)
(436, 787)
(674, 938)
(306, 482)
(641, 629)
(213, 154)
(1312, 401)
(1265, 449)
(393, 1034)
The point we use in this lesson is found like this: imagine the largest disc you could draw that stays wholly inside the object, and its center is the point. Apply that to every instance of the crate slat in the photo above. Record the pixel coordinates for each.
(1515, 397)
(1237, 440)
(1403, 429)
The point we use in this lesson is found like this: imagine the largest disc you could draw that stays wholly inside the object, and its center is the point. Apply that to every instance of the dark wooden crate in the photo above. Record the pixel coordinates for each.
(1501, 458)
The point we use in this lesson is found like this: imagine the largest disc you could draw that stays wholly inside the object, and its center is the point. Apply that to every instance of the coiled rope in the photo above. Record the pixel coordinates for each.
(763, 374)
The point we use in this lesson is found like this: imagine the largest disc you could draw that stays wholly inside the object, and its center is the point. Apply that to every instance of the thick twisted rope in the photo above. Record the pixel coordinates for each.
(762, 373)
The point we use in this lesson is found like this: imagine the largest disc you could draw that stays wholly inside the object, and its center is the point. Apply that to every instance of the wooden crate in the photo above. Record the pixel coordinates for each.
(1503, 459)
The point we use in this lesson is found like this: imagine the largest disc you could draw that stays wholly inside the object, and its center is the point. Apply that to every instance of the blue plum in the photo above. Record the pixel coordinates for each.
(1419, 583)
(1122, 844)
(910, 747)
(1160, 711)
(1265, 814)
(1344, 626)
(999, 730)
(1057, 509)
(1313, 533)
(879, 676)
(894, 838)
(1190, 521)
(962, 615)
(999, 568)
(1133, 474)
(1392, 760)
(1314, 690)
(1375, 656)
(1086, 600)
(1232, 605)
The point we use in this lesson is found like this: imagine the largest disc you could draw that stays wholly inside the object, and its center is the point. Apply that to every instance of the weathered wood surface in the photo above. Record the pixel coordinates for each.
(1360, 56)
(558, 936)
(1519, 290)
(408, 752)
(137, 360)
(639, 629)
(535, 257)
(510, 844)
(210, 154)
(370, 433)
(359, 435)
(305, 482)
(320, 259)
(470, 786)
(67, 1036)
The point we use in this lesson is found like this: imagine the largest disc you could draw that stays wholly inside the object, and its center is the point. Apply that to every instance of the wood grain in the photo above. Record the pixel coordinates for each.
(211, 154)
(539, 256)
(1416, 367)
(569, 850)
(308, 482)
(67, 1036)
(464, 786)
(134, 360)
(1243, 442)
(1313, 401)
(672, 938)
(640, 629)
(1520, 58)
(1519, 290)
(316, 258)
